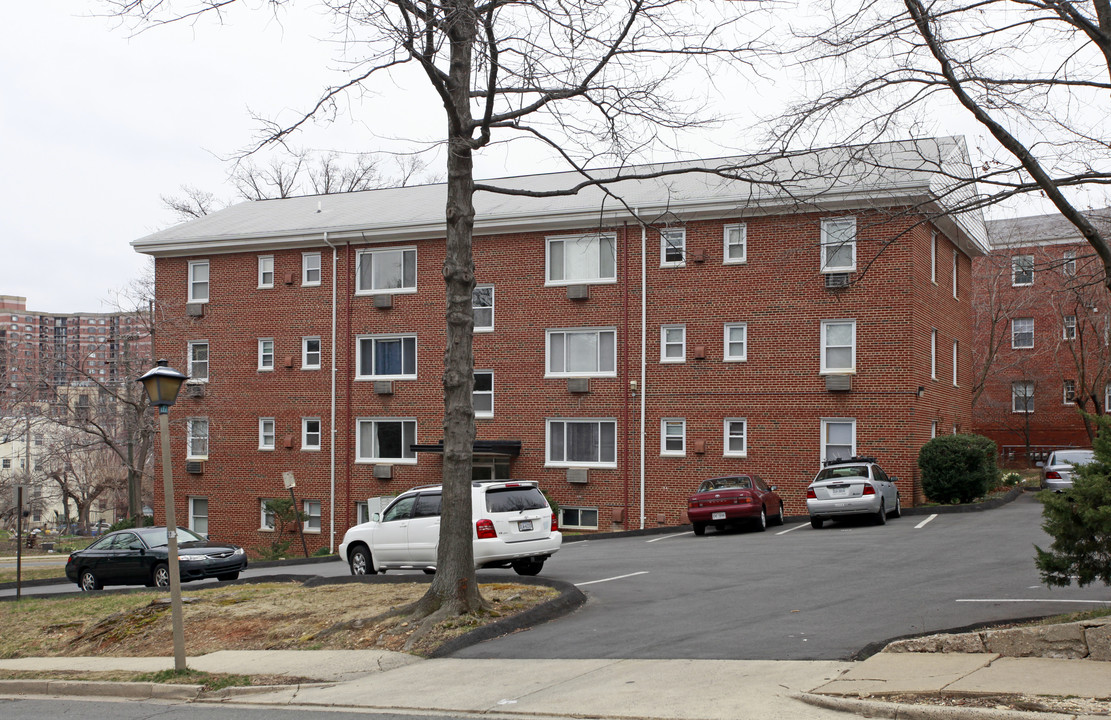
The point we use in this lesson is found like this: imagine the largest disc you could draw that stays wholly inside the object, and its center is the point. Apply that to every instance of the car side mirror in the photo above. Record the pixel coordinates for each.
(893, 478)
(375, 517)
(773, 488)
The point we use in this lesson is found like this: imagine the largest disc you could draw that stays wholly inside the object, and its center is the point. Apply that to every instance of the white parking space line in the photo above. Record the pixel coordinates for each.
(1032, 600)
(791, 529)
(674, 535)
(922, 524)
(619, 577)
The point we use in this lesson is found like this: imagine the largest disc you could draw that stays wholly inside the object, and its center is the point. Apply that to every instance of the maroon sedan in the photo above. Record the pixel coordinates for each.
(730, 500)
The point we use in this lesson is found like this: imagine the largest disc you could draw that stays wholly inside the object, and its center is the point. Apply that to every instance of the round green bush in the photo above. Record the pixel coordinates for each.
(957, 468)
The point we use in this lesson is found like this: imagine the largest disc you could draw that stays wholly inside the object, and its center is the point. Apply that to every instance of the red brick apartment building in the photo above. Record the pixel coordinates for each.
(1041, 326)
(745, 328)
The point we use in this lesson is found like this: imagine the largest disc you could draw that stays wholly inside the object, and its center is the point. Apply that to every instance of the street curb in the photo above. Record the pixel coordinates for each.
(898, 711)
(98, 688)
(247, 690)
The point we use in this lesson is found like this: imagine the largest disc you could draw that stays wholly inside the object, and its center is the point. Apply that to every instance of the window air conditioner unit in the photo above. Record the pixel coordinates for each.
(384, 302)
(383, 472)
(578, 385)
(837, 280)
(578, 292)
(194, 309)
(577, 476)
(383, 387)
(194, 391)
(194, 467)
(839, 383)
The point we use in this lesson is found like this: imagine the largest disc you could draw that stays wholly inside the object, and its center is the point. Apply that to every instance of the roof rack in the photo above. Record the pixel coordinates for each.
(853, 459)
(478, 483)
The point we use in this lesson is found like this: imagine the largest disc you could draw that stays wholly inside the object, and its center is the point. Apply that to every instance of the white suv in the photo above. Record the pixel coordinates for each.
(513, 527)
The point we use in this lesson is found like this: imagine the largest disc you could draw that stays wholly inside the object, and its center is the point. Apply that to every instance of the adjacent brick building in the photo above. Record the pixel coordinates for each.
(745, 327)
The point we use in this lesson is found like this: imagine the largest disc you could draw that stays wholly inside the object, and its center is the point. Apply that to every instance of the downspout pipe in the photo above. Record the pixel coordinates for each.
(643, 348)
(332, 411)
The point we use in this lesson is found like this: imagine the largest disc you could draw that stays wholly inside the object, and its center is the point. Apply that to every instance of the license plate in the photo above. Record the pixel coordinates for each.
(717, 516)
(524, 525)
(839, 492)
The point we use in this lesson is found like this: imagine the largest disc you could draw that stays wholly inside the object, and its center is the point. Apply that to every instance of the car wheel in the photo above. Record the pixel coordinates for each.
(530, 566)
(699, 528)
(898, 511)
(161, 575)
(88, 581)
(360, 562)
(816, 523)
(762, 521)
(777, 519)
(228, 576)
(881, 516)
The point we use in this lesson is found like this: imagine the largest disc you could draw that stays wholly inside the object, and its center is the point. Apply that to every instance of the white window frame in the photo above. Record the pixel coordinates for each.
(673, 239)
(190, 366)
(485, 413)
(1068, 387)
(311, 521)
(368, 457)
(267, 433)
(728, 243)
(1022, 265)
(727, 354)
(307, 435)
(1027, 396)
(403, 289)
(306, 354)
(194, 515)
(826, 422)
(666, 344)
(563, 522)
(594, 239)
(484, 328)
(933, 354)
(829, 225)
(1068, 263)
(598, 332)
(266, 519)
(374, 339)
(673, 429)
(728, 435)
(956, 353)
(193, 296)
(307, 269)
(1068, 329)
(264, 354)
(933, 257)
(1015, 332)
(933, 429)
(265, 267)
(825, 369)
(956, 266)
(192, 437)
(600, 463)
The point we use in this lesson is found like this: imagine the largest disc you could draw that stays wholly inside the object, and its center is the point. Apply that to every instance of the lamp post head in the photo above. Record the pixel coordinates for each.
(162, 384)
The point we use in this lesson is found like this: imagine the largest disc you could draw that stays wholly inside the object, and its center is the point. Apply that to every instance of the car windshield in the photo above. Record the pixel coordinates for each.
(1076, 457)
(843, 471)
(156, 537)
(731, 482)
(514, 499)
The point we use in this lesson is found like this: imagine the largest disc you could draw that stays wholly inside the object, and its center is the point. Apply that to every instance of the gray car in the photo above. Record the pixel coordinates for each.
(856, 486)
(1058, 468)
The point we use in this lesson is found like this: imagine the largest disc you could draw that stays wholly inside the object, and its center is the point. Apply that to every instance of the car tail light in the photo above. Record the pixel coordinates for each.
(1053, 475)
(810, 494)
(868, 490)
(744, 500)
(555, 523)
(485, 529)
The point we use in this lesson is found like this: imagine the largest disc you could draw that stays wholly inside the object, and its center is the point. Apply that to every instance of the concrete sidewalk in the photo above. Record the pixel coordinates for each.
(612, 688)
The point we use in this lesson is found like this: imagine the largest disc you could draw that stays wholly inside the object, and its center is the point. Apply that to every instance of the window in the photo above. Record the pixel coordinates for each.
(310, 433)
(267, 521)
(838, 438)
(312, 516)
(933, 354)
(933, 429)
(1022, 270)
(482, 301)
(582, 443)
(483, 398)
(266, 433)
(198, 281)
(266, 271)
(1068, 263)
(673, 343)
(581, 258)
(585, 352)
(838, 346)
(7, 463)
(736, 437)
(673, 436)
(386, 439)
(362, 512)
(956, 351)
(1022, 333)
(198, 515)
(310, 268)
(1069, 331)
(198, 361)
(581, 518)
(673, 247)
(197, 437)
(956, 266)
(933, 257)
(386, 357)
(387, 271)
(838, 244)
(1022, 397)
(736, 244)
(310, 353)
(1070, 392)
(736, 342)
(265, 354)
